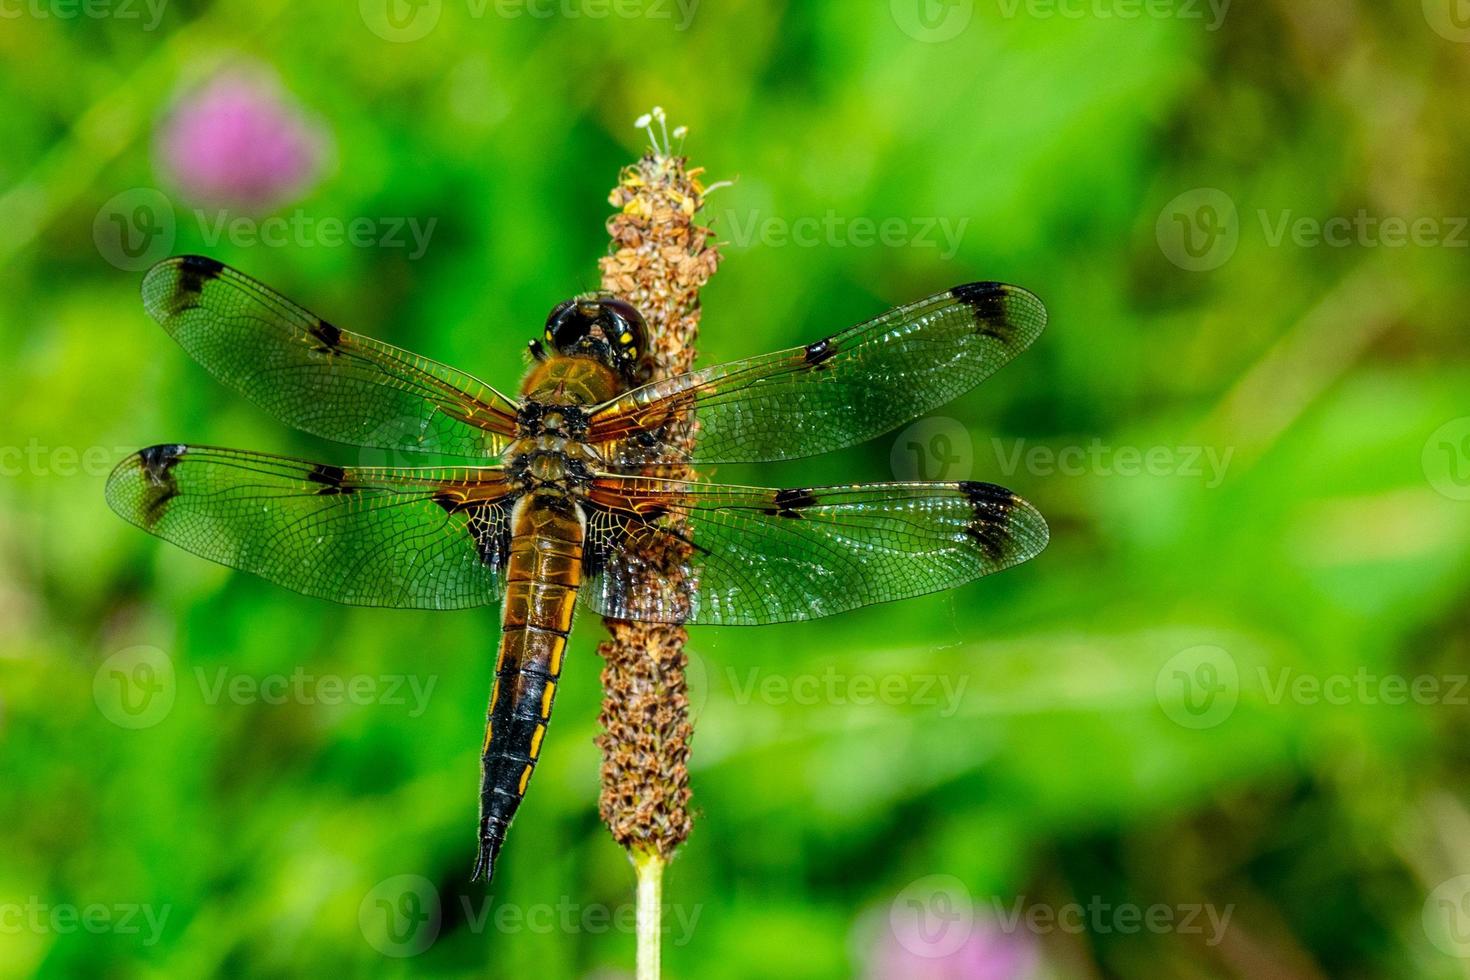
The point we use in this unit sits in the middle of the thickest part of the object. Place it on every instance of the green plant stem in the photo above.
(649, 867)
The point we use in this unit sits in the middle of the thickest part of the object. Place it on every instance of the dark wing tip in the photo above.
(173, 285)
(1011, 315)
(1008, 529)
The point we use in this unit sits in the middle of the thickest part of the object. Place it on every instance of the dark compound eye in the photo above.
(626, 328)
(569, 324)
(619, 322)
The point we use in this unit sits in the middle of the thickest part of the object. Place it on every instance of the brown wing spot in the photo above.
(158, 463)
(788, 502)
(332, 478)
(990, 525)
(329, 336)
(987, 301)
(820, 352)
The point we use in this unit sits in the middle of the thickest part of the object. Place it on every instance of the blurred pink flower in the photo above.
(968, 947)
(240, 140)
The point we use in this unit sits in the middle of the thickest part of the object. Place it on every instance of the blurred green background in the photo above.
(1217, 729)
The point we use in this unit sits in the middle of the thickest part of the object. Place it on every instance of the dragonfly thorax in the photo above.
(548, 452)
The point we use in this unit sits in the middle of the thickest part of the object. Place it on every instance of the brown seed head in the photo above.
(660, 259)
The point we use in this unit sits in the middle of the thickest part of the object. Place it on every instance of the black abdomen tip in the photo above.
(492, 835)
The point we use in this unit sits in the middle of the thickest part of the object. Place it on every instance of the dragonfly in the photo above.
(567, 496)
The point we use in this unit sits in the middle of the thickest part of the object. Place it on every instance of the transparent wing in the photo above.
(836, 392)
(752, 555)
(319, 378)
(411, 538)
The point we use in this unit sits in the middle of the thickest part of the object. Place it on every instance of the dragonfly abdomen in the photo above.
(542, 575)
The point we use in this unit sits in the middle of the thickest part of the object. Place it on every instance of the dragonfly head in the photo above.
(604, 328)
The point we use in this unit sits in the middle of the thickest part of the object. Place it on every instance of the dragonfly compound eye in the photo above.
(569, 325)
(624, 326)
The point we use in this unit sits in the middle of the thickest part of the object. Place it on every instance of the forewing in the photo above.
(833, 393)
(317, 377)
(754, 555)
(411, 538)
